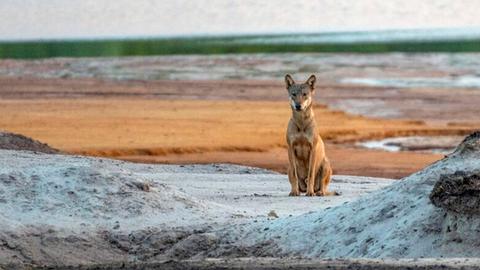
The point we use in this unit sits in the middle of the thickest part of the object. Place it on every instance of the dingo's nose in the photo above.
(298, 107)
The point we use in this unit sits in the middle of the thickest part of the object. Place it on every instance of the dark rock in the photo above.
(143, 186)
(458, 192)
(11, 141)
(469, 145)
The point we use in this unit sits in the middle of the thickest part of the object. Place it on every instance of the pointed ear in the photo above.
(311, 81)
(289, 80)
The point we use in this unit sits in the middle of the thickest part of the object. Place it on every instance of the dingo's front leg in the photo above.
(312, 171)
(292, 174)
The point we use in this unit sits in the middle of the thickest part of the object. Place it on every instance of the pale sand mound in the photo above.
(398, 221)
(12, 141)
(79, 193)
(58, 210)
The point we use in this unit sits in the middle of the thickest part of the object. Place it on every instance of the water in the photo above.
(431, 144)
(419, 35)
(148, 27)
(465, 82)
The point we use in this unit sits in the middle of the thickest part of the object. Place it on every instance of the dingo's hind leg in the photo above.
(323, 180)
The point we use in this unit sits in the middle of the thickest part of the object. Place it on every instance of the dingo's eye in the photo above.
(294, 95)
(304, 95)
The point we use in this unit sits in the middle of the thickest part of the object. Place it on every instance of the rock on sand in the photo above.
(12, 141)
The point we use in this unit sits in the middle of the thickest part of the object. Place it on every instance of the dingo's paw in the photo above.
(294, 193)
(310, 193)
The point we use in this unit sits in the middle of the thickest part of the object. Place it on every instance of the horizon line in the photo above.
(473, 29)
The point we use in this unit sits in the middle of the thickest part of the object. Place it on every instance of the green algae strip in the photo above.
(216, 45)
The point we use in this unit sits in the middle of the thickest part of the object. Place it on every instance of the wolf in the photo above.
(309, 169)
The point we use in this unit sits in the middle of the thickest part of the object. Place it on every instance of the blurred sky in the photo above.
(59, 19)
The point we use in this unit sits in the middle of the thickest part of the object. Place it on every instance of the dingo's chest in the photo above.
(301, 147)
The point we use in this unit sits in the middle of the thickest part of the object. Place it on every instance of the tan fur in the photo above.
(309, 169)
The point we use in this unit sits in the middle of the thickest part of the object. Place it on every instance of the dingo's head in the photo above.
(300, 94)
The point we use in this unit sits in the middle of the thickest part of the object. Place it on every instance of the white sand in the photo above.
(398, 221)
(81, 193)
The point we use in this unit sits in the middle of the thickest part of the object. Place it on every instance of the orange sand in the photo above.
(172, 131)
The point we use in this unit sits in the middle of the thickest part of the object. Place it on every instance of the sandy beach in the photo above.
(116, 108)
(114, 111)
(185, 131)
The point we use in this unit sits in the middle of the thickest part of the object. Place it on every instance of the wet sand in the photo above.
(430, 87)
(138, 109)
(122, 120)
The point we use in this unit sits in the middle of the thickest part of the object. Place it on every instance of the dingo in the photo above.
(309, 169)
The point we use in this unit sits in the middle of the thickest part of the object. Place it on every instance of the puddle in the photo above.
(468, 82)
(428, 144)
